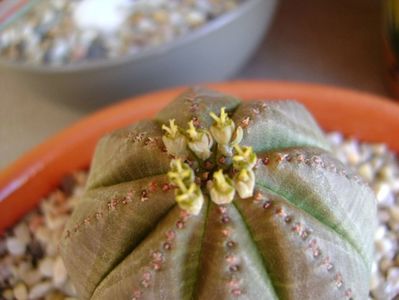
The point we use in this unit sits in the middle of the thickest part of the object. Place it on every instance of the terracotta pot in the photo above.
(25, 182)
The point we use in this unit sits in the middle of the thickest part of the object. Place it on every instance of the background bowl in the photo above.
(363, 116)
(212, 53)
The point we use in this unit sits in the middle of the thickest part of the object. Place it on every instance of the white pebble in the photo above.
(195, 18)
(377, 163)
(394, 213)
(387, 172)
(379, 149)
(385, 264)
(384, 193)
(380, 232)
(43, 234)
(69, 289)
(20, 291)
(15, 246)
(336, 138)
(375, 281)
(40, 290)
(8, 294)
(384, 246)
(365, 170)
(59, 272)
(395, 185)
(146, 25)
(383, 215)
(31, 277)
(46, 267)
(176, 18)
(393, 276)
(351, 149)
(55, 222)
(21, 232)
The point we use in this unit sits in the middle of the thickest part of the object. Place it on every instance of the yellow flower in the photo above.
(188, 194)
(244, 158)
(245, 183)
(200, 141)
(190, 199)
(175, 142)
(221, 188)
(225, 133)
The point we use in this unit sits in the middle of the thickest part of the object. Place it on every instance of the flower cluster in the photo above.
(188, 193)
(221, 140)
(244, 161)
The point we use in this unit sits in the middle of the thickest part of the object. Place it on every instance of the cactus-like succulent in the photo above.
(218, 199)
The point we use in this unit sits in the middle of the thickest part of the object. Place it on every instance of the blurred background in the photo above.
(60, 60)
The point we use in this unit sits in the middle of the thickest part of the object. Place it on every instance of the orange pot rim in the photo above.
(356, 114)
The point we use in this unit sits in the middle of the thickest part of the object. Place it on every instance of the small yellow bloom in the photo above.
(190, 199)
(221, 188)
(223, 128)
(175, 142)
(245, 183)
(244, 158)
(188, 194)
(180, 170)
(200, 141)
(225, 133)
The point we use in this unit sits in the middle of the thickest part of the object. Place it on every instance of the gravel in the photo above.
(30, 264)
(56, 32)
(379, 167)
(31, 267)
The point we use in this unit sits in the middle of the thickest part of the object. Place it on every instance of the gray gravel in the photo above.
(380, 168)
(56, 32)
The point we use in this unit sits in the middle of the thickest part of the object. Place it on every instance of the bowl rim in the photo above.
(22, 184)
(146, 53)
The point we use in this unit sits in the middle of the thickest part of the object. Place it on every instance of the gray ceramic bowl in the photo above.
(212, 53)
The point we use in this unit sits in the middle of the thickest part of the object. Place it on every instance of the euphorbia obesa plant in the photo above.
(221, 199)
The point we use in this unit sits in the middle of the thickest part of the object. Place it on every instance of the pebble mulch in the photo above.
(30, 264)
(31, 268)
(379, 167)
(56, 32)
